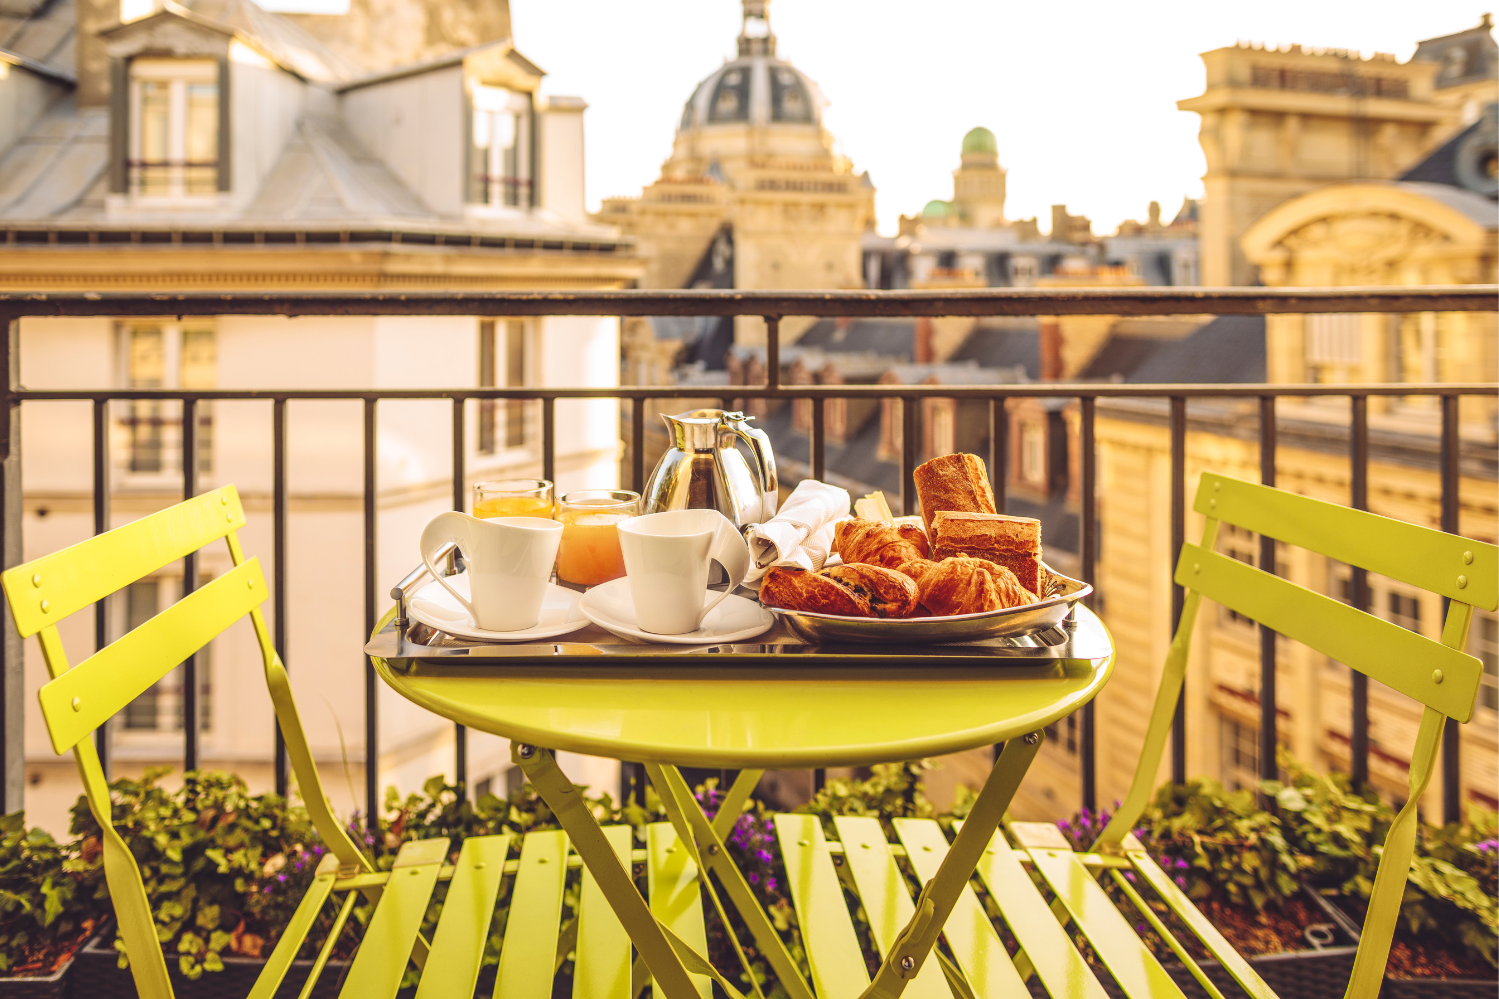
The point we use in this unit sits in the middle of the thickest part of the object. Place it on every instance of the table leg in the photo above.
(706, 839)
(940, 894)
(660, 954)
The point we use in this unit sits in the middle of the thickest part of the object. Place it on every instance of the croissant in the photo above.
(874, 542)
(798, 589)
(889, 593)
(963, 585)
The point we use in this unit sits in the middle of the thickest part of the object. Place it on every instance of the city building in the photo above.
(216, 146)
(1279, 122)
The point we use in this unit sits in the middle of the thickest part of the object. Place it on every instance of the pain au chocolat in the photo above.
(953, 482)
(847, 590)
(1012, 542)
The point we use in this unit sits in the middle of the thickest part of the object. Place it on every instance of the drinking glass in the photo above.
(590, 536)
(514, 498)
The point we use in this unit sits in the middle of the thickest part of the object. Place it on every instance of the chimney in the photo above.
(92, 69)
(1051, 349)
(922, 350)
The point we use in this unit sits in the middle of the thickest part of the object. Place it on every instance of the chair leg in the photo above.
(588, 838)
(939, 895)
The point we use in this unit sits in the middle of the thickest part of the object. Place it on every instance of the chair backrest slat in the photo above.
(463, 929)
(886, 898)
(528, 958)
(838, 969)
(391, 935)
(89, 694)
(1428, 671)
(1448, 564)
(676, 895)
(48, 589)
(602, 969)
(975, 944)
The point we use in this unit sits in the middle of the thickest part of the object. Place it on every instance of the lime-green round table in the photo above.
(775, 703)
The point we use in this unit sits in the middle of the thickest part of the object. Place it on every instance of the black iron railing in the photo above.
(771, 306)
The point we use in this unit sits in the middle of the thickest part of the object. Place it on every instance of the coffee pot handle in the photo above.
(765, 461)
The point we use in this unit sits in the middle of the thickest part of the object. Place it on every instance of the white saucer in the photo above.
(434, 606)
(610, 606)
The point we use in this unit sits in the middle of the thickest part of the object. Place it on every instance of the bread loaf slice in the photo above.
(1012, 542)
(953, 482)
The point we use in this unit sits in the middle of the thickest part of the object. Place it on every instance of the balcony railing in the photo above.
(771, 306)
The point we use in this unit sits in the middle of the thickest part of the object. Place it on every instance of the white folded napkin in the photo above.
(800, 533)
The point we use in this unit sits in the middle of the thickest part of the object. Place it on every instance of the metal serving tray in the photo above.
(1009, 622)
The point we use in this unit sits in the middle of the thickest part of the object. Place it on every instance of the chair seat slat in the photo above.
(602, 968)
(676, 896)
(89, 694)
(292, 938)
(838, 969)
(528, 955)
(388, 940)
(979, 952)
(1122, 951)
(452, 967)
(1446, 679)
(885, 896)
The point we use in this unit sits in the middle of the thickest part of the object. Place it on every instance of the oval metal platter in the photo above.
(1009, 622)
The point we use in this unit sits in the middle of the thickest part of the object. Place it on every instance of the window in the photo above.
(159, 355)
(159, 709)
(1033, 453)
(1403, 609)
(1333, 341)
(502, 361)
(1239, 754)
(174, 128)
(501, 160)
(1483, 642)
(1063, 735)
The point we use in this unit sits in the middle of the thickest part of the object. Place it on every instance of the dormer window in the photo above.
(501, 158)
(174, 128)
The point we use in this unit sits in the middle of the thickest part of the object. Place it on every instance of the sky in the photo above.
(1081, 95)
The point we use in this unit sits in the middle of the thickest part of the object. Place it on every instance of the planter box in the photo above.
(97, 975)
(53, 986)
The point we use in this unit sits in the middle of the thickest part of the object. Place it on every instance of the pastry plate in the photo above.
(1009, 622)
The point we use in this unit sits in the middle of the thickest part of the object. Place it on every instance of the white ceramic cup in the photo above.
(508, 561)
(666, 561)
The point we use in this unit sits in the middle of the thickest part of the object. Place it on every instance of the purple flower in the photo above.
(1487, 846)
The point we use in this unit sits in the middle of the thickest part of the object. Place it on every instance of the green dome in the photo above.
(936, 210)
(980, 140)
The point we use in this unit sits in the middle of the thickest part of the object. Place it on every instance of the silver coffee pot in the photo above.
(704, 470)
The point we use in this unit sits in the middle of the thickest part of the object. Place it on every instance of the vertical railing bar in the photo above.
(1451, 507)
(637, 445)
(772, 352)
(1268, 733)
(999, 452)
(279, 513)
(908, 405)
(101, 524)
(460, 495)
(1088, 559)
(549, 438)
(1358, 725)
(818, 454)
(371, 682)
(1178, 595)
(190, 707)
(13, 678)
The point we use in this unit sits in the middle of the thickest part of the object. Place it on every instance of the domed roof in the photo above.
(936, 210)
(756, 88)
(980, 140)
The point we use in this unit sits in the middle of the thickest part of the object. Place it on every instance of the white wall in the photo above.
(583, 350)
(415, 125)
(560, 156)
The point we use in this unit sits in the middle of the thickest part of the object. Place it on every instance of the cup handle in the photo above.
(447, 527)
(730, 551)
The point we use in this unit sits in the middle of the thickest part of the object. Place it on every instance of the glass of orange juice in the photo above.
(590, 553)
(514, 498)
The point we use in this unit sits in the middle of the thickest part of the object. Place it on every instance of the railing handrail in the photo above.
(851, 304)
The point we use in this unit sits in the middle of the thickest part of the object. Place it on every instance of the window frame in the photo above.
(179, 75)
